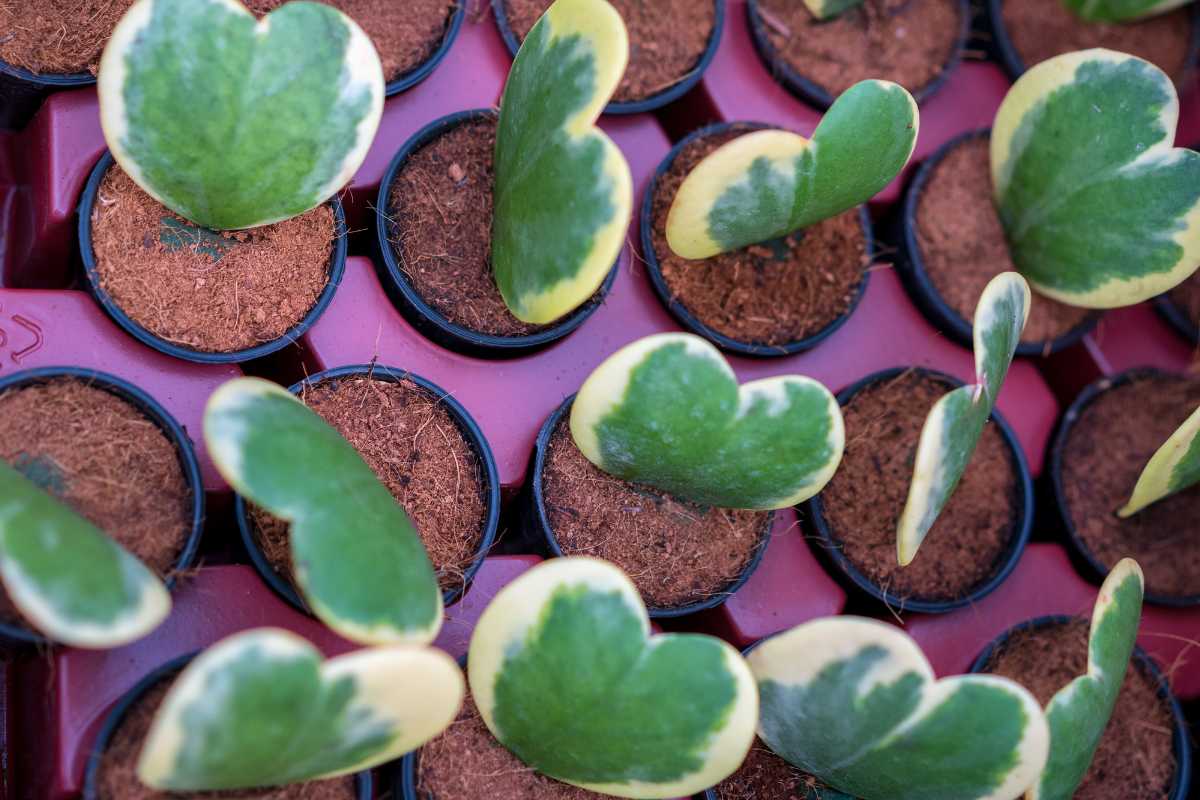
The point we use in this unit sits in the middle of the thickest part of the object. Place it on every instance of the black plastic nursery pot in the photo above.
(14, 636)
(685, 316)
(412, 77)
(657, 99)
(828, 546)
(22, 92)
(423, 316)
(920, 286)
(1141, 661)
(1083, 556)
(1004, 51)
(337, 266)
(472, 435)
(540, 532)
(363, 781)
(807, 90)
(1177, 318)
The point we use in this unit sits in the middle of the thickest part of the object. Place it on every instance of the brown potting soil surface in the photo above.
(771, 293)
(1039, 30)
(68, 36)
(677, 553)
(106, 460)
(118, 769)
(766, 776)
(413, 445)
(1106, 451)
(442, 229)
(906, 41)
(1187, 297)
(1135, 759)
(963, 246)
(203, 290)
(467, 763)
(862, 503)
(667, 38)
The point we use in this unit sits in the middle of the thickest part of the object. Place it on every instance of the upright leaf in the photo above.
(1174, 467)
(1121, 10)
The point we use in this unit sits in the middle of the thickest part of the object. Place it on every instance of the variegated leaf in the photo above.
(1174, 467)
(854, 702)
(563, 190)
(768, 184)
(828, 9)
(955, 424)
(1121, 10)
(66, 577)
(232, 122)
(1079, 712)
(566, 675)
(358, 560)
(667, 411)
(1099, 209)
(262, 708)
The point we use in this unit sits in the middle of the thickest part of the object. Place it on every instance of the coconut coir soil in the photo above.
(1106, 450)
(862, 503)
(1039, 30)
(1135, 759)
(772, 293)
(206, 291)
(906, 41)
(68, 36)
(118, 769)
(413, 445)
(962, 241)
(667, 39)
(441, 229)
(677, 553)
(106, 460)
(766, 776)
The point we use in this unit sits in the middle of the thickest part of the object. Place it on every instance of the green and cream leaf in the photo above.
(771, 183)
(233, 122)
(1174, 467)
(566, 675)
(66, 577)
(1099, 209)
(828, 9)
(854, 702)
(667, 411)
(1079, 712)
(955, 424)
(357, 557)
(563, 190)
(1121, 10)
(262, 708)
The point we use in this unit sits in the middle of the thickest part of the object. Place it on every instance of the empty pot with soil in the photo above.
(671, 43)
(916, 43)
(424, 447)
(111, 454)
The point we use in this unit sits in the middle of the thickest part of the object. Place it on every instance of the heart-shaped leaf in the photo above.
(563, 191)
(828, 9)
(231, 122)
(566, 675)
(955, 424)
(854, 702)
(357, 557)
(261, 708)
(1079, 712)
(771, 183)
(1121, 10)
(66, 577)
(1099, 209)
(667, 411)
(1174, 467)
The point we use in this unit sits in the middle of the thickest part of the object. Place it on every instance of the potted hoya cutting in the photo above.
(215, 236)
(630, 714)
(417, 440)
(103, 504)
(819, 48)
(665, 466)
(499, 232)
(1123, 465)
(671, 44)
(1077, 186)
(921, 462)
(751, 235)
